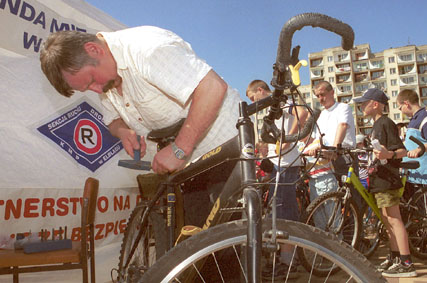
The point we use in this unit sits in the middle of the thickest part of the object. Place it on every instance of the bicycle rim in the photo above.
(417, 224)
(371, 231)
(329, 213)
(215, 255)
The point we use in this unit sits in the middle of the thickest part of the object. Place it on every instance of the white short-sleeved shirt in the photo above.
(290, 158)
(329, 120)
(160, 71)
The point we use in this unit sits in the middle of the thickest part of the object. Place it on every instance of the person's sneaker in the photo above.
(399, 269)
(385, 264)
(280, 271)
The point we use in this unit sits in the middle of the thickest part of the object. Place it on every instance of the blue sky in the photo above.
(239, 38)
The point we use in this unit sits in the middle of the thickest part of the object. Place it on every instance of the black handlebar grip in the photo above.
(306, 130)
(315, 20)
(420, 145)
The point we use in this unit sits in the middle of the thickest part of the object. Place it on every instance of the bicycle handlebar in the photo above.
(284, 56)
(420, 145)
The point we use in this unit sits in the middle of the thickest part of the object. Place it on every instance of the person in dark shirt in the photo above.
(385, 183)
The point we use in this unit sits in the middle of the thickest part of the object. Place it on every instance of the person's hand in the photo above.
(130, 142)
(166, 162)
(382, 154)
(414, 153)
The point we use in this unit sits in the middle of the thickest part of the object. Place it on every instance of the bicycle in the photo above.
(249, 239)
(337, 212)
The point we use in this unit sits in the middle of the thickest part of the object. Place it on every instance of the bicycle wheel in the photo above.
(151, 246)
(333, 213)
(417, 224)
(372, 230)
(224, 245)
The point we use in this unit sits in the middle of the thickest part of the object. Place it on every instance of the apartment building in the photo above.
(353, 72)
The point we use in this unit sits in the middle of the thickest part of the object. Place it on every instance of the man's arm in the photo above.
(340, 134)
(119, 129)
(301, 115)
(206, 102)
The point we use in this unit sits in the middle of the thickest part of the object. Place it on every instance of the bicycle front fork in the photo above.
(254, 241)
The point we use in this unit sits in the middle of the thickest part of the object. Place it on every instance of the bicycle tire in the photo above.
(350, 226)
(151, 246)
(231, 236)
(417, 224)
(372, 228)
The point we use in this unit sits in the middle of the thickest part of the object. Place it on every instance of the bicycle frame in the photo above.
(242, 149)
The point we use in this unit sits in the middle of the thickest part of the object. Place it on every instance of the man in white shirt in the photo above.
(147, 78)
(336, 123)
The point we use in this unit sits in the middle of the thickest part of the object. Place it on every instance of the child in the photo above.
(386, 182)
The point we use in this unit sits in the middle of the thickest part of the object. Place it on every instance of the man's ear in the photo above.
(93, 49)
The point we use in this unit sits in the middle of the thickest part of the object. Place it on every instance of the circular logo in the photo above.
(248, 151)
(88, 137)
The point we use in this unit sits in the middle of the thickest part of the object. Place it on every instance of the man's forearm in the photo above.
(340, 134)
(116, 126)
(206, 102)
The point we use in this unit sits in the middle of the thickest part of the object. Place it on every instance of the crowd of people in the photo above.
(148, 78)
(336, 127)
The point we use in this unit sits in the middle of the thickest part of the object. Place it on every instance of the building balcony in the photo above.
(343, 68)
(421, 57)
(316, 73)
(316, 62)
(363, 77)
(361, 55)
(344, 79)
(342, 57)
(343, 90)
(376, 65)
(408, 81)
(405, 58)
(409, 69)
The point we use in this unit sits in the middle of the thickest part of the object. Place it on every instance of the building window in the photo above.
(393, 82)
(330, 69)
(423, 69)
(391, 59)
(422, 57)
(331, 80)
(330, 58)
(408, 80)
(394, 93)
(392, 70)
(407, 57)
(397, 116)
(394, 105)
(316, 62)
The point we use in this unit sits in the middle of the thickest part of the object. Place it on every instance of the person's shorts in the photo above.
(387, 198)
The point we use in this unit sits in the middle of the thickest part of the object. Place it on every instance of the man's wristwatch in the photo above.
(179, 153)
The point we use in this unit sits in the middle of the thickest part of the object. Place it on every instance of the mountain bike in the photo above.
(240, 247)
(336, 212)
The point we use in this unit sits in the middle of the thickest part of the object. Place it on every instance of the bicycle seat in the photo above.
(409, 165)
(158, 135)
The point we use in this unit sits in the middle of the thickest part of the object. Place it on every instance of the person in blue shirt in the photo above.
(409, 104)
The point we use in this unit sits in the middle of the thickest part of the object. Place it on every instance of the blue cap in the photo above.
(373, 94)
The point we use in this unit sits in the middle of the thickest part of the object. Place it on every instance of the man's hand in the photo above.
(119, 129)
(414, 153)
(130, 143)
(383, 153)
(166, 162)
